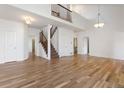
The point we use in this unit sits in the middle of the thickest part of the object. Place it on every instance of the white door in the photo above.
(10, 46)
(2, 38)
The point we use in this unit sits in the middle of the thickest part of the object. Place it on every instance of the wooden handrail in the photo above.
(44, 43)
(55, 12)
(64, 7)
(53, 32)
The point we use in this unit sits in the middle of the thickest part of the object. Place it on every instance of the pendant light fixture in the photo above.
(99, 24)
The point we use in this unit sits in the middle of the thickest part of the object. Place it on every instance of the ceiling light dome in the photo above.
(28, 19)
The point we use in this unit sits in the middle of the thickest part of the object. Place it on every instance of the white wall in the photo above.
(21, 37)
(2, 46)
(105, 42)
(65, 42)
(26, 38)
(41, 9)
(80, 21)
(45, 31)
(118, 45)
(48, 41)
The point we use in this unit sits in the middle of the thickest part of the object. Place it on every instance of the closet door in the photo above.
(10, 46)
(2, 38)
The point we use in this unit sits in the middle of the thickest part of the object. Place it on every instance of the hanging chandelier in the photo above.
(99, 24)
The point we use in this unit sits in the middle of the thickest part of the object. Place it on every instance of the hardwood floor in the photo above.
(68, 72)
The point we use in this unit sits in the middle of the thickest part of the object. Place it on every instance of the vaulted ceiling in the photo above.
(90, 11)
(112, 15)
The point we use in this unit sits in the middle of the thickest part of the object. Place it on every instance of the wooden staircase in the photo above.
(54, 54)
(52, 31)
(43, 41)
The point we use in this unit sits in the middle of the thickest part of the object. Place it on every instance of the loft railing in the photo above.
(61, 11)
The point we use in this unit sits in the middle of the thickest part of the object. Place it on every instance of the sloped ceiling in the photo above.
(113, 15)
(110, 14)
(10, 12)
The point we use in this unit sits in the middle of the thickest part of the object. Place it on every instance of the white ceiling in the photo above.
(90, 11)
(111, 15)
(12, 13)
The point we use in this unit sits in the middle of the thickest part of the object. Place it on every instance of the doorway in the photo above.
(86, 46)
(33, 47)
(75, 46)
